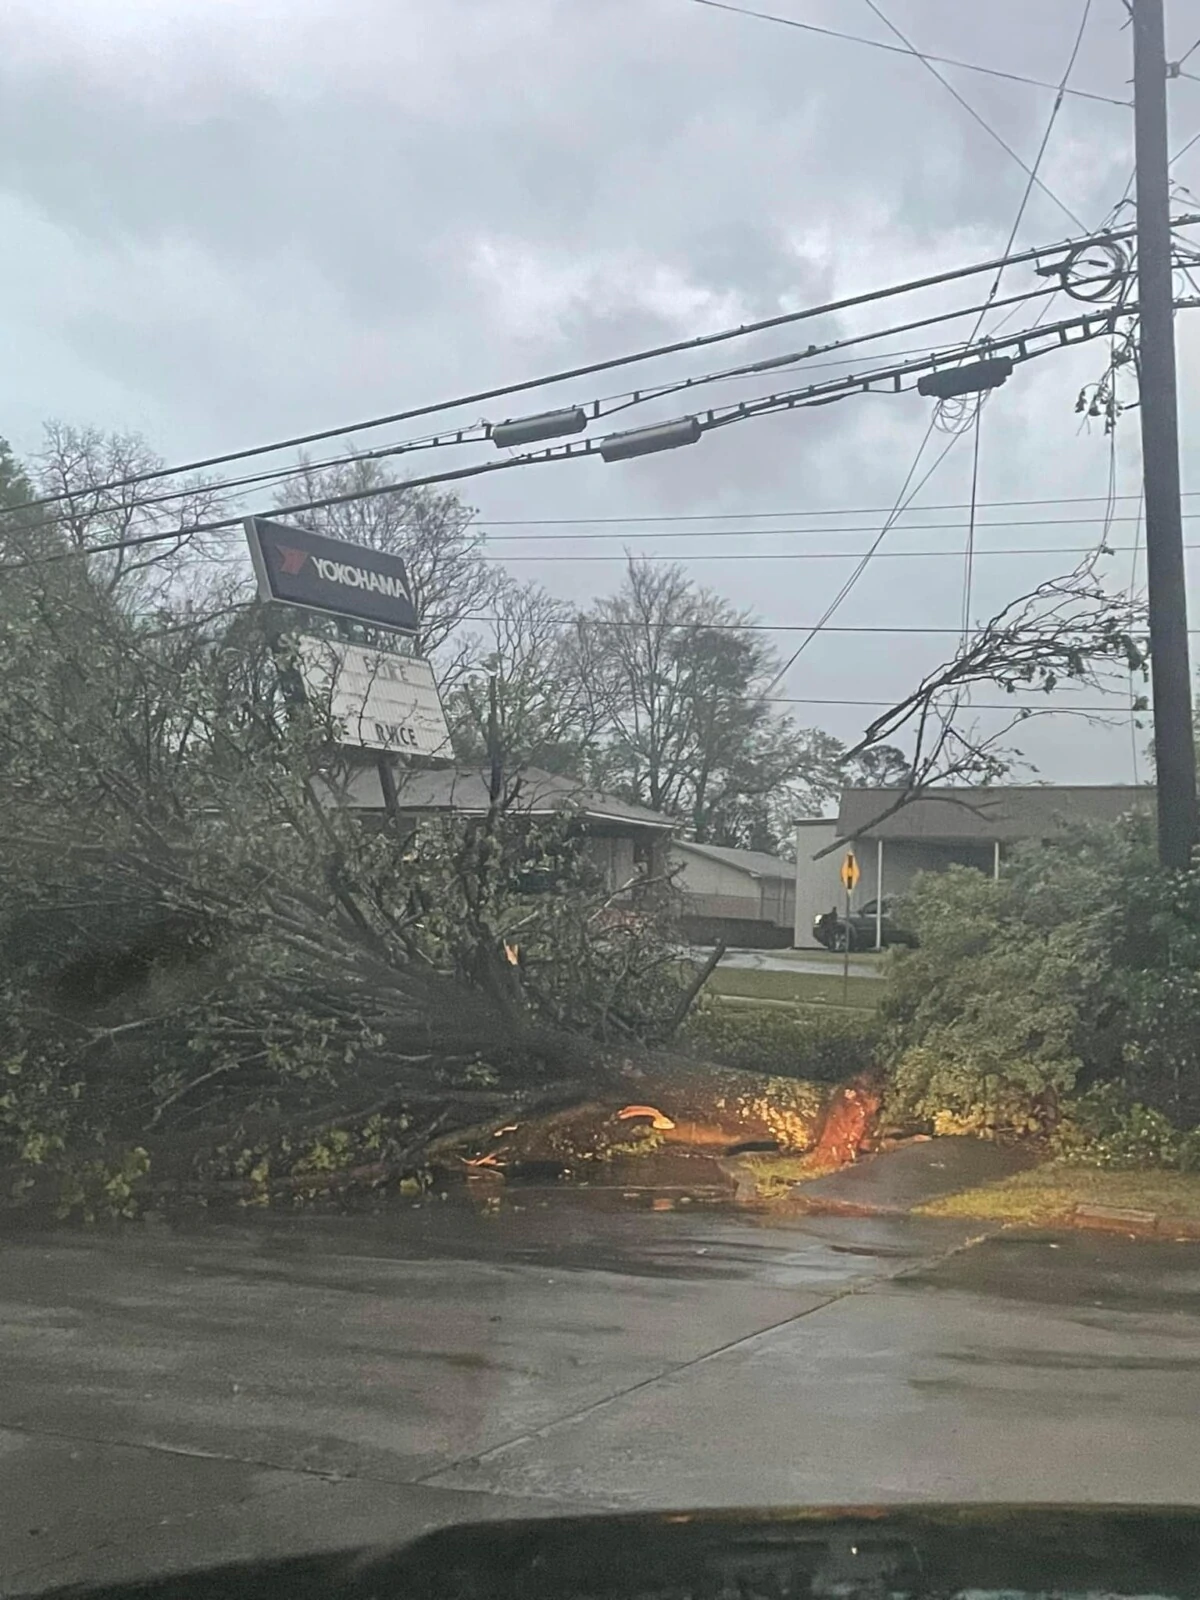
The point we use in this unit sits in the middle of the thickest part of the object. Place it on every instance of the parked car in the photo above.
(832, 929)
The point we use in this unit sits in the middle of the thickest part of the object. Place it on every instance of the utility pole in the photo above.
(1174, 749)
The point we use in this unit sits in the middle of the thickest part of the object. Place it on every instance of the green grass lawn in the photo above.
(1051, 1192)
(797, 988)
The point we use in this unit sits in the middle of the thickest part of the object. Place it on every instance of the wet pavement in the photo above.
(300, 1383)
(897, 1180)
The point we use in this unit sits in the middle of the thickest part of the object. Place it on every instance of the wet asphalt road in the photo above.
(168, 1400)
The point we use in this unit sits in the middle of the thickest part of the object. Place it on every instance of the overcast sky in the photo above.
(230, 220)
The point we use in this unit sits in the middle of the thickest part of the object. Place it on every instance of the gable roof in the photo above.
(465, 791)
(983, 815)
(755, 863)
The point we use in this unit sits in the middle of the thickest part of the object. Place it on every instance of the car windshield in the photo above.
(582, 928)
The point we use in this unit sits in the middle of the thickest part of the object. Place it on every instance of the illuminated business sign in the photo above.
(299, 568)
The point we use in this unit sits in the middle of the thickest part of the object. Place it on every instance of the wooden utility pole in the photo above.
(1174, 749)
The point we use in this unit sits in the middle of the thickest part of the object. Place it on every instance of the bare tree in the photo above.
(451, 583)
(78, 466)
(547, 714)
(678, 676)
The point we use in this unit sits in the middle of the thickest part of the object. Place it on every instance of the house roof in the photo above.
(755, 863)
(983, 815)
(466, 791)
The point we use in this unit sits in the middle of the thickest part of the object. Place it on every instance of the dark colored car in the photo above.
(862, 931)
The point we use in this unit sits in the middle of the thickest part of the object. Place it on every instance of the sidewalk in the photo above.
(964, 1178)
(896, 1182)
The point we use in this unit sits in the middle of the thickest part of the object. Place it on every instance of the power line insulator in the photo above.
(645, 441)
(542, 425)
(949, 382)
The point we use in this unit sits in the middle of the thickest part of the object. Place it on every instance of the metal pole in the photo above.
(1174, 751)
(996, 860)
(846, 952)
(879, 893)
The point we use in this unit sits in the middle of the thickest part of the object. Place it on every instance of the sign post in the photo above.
(850, 875)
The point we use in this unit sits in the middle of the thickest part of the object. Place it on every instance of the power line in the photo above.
(918, 631)
(981, 400)
(1020, 705)
(1037, 163)
(898, 50)
(971, 111)
(805, 533)
(901, 504)
(969, 554)
(1085, 327)
(824, 511)
(605, 405)
(741, 556)
(810, 532)
(844, 591)
(219, 524)
(898, 510)
(701, 341)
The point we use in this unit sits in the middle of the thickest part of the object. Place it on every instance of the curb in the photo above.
(842, 1208)
(1089, 1218)
(1144, 1224)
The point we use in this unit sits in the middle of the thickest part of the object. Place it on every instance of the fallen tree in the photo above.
(206, 961)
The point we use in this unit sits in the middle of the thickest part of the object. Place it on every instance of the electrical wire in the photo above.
(971, 111)
(897, 510)
(1050, 710)
(901, 504)
(969, 553)
(676, 347)
(826, 511)
(1086, 327)
(897, 50)
(1188, 54)
(470, 435)
(978, 553)
(741, 534)
(1041, 151)
(602, 406)
(889, 629)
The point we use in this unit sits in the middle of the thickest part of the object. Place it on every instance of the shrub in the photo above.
(1103, 1128)
(826, 1046)
(1078, 968)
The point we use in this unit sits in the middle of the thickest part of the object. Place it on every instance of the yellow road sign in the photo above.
(850, 871)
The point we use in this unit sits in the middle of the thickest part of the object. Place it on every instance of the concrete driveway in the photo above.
(168, 1400)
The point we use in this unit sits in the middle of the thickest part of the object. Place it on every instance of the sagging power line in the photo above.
(1023, 346)
(1067, 249)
